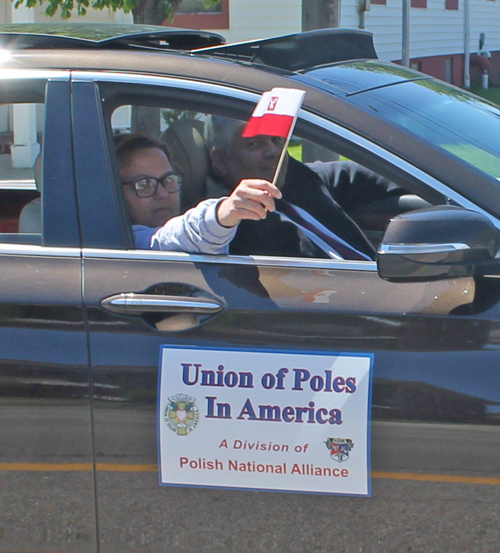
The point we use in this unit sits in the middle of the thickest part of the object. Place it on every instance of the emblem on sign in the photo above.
(339, 448)
(182, 414)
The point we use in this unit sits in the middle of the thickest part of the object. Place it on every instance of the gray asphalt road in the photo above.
(47, 513)
(53, 511)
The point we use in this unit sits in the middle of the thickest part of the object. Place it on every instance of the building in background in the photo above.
(436, 41)
(436, 44)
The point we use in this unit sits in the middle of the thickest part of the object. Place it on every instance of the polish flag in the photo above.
(276, 113)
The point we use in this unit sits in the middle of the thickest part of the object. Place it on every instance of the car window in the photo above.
(21, 126)
(182, 132)
(369, 197)
(319, 176)
(452, 119)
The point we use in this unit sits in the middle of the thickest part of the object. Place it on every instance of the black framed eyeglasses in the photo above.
(147, 186)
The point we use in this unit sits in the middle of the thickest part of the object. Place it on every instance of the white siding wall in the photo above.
(251, 19)
(433, 31)
(5, 12)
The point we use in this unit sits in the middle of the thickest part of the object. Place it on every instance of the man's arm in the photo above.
(352, 185)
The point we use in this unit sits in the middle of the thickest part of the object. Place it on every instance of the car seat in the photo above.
(189, 155)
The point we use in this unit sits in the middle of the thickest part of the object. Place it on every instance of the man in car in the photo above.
(314, 188)
(152, 190)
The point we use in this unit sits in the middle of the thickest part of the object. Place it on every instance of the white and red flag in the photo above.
(276, 113)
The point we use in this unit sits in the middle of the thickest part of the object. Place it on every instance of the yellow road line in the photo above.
(47, 467)
(126, 468)
(122, 467)
(436, 478)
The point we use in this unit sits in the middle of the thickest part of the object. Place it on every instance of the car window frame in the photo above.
(238, 103)
(60, 233)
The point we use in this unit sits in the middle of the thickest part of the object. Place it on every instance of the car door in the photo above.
(435, 385)
(47, 500)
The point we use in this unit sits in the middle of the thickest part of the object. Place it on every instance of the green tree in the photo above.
(152, 12)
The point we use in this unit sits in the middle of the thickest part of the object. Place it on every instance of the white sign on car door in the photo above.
(269, 420)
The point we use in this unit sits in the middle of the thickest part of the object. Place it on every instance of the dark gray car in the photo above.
(85, 315)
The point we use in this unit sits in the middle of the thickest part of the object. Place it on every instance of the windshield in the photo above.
(454, 120)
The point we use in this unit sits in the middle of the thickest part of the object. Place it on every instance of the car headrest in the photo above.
(189, 155)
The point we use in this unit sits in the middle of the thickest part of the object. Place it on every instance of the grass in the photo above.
(295, 150)
(492, 94)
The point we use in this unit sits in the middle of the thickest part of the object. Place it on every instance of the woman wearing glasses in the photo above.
(152, 196)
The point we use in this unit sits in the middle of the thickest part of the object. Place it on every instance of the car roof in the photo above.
(328, 86)
(254, 66)
(104, 35)
(179, 52)
(293, 52)
(300, 51)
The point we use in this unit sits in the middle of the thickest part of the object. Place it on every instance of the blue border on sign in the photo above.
(371, 356)
(369, 427)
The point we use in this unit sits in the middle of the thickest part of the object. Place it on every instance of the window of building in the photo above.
(419, 3)
(193, 14)
(451, 5)
(198, 6)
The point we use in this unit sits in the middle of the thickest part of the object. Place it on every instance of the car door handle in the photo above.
(137, 304)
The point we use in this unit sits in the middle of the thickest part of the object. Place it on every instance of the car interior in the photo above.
(20, 168)
(184, 137)
(182, 131)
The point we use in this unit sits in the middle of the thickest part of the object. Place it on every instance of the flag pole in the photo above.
(283, 153)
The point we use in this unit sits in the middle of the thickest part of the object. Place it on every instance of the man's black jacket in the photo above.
(312, 190)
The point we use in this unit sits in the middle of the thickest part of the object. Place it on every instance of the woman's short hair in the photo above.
(127, 144)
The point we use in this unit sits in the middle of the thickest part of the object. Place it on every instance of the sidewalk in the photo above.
(13, 178)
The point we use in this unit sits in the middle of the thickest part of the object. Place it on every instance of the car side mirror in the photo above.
(435, 244)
